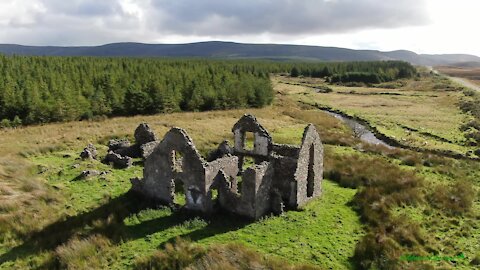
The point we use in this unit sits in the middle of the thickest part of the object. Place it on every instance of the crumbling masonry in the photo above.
(282, 176)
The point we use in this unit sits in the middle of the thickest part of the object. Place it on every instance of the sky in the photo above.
(422, 26)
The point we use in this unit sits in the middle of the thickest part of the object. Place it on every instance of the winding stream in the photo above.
(359, 130)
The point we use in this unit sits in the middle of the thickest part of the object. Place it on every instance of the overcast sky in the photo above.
(423, 26)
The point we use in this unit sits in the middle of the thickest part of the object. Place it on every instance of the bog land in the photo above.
(419, 198)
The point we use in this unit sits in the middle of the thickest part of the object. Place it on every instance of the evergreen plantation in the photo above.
(51, 89)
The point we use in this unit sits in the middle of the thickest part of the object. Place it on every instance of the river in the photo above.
(359, 130)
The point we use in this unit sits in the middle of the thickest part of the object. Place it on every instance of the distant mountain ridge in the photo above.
(220, 49)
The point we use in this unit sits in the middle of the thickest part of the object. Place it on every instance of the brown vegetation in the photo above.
(454, 199)
(470, 73)
(89, 253)
(184, 254)
(383, 185)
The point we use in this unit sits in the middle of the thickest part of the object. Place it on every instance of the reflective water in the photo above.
(360, 131)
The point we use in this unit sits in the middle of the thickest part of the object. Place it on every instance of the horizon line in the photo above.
(226, 41)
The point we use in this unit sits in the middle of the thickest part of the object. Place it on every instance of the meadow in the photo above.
(422, 113)
(378, 205)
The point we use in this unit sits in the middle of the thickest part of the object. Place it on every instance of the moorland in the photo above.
(381, 206)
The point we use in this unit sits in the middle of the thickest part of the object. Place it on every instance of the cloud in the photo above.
(77, 22)
(219, 17)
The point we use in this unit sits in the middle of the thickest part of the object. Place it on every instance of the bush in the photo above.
(16, 121)
(454, 199)
(5, 123)
(323, 89)
(354, 171)
(377, 251)
(411, 160)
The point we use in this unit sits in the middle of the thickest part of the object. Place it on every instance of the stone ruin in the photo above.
(121, 152)
(282, 176)
(89, 152)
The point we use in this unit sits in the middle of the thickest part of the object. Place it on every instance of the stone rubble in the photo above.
(89, 152)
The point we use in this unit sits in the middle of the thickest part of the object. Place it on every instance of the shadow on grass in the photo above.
(215, 226)
(108, 220)
(62, 230)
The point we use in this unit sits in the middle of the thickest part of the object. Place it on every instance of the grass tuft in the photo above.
(88, 253)
(454, 199)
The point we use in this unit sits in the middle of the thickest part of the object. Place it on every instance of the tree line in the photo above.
(52, 89)
(366, 72)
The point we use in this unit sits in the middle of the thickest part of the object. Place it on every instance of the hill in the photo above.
(219, 49)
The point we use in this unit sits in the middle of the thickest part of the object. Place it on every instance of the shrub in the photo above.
(455, 199)
(405, 232)
(5, 123)
(16, 122)
(323, 89)
(354, 171)
(411, 160)
(377, 251)
(469, 92)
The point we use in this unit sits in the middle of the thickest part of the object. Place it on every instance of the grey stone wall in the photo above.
(309, 166)
(283, 175)
(262, 140)
(160, 170)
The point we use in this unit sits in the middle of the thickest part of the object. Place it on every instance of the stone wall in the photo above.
(283, 175)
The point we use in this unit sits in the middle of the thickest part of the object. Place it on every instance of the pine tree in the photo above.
(294, 72)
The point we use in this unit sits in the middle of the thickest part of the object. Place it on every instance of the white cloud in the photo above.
(419, 25)
(452, 29)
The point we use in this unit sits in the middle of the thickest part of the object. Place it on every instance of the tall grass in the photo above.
(183, 254)
(382, 186)
(455, 199)
(93, 252)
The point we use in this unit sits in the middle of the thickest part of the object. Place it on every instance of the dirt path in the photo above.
(465, 83)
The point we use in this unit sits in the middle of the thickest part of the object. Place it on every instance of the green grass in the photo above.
(94, 217)
(61, 170)
(308, 236)
(416, 114)
(449, 234)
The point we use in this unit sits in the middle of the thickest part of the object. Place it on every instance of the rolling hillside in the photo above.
(219, 49)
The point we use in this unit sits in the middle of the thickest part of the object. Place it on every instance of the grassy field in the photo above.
(419, 113)
(306, 236)
(378, 204)
(51, 152)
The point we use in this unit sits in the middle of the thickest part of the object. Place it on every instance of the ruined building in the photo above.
(282, 176)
